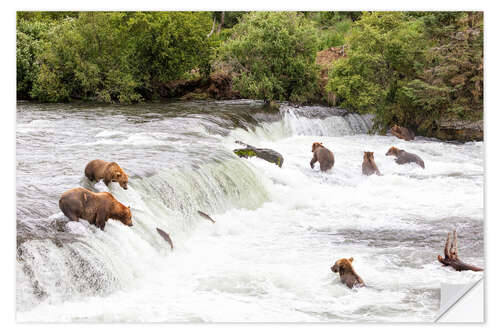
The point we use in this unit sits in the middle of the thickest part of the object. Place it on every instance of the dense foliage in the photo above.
(114, 56)
(411, 68)
(29, 37)
(273, 55)
(450, 85)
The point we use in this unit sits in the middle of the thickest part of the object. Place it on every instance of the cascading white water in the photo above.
(318, 121)
(277, 230)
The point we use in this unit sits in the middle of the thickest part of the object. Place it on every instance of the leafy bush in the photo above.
(29, 44)
(273, 56)
(165, 45)
(451, 84)
(415, 69)
(385, 54)
(84, 58)
(114, 56)
(334, 35)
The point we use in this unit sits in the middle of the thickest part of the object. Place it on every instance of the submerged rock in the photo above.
(269, 155)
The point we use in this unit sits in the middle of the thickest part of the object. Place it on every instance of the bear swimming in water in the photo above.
(96, 208)
(347, 274)
(369, 167)
(109, 171)
(404, 157)
(322, 155)
(403, 133)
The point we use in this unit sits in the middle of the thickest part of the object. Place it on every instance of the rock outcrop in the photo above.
(459, 130)
(218, 85)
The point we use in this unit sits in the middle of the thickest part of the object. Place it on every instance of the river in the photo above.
(277, 232)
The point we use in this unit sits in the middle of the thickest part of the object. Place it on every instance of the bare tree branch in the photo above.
(212, 31)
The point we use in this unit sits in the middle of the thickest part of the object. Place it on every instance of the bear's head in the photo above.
(342, 265)
(122, 178)
(392, 151)
(316, 145)
(126, 216)
(368, 155)
(396, 129)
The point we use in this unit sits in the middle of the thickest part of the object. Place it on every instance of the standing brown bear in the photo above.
(109, 171)
(347, 274)
(369, 167)
(403, 133)
(404, 157)
(322, 155)
(96, 208)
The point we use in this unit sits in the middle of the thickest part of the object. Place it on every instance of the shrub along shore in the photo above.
(422, 70)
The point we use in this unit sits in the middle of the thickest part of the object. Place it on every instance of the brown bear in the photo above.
(109, 171)
(347, 274)
(323, 155)
(403, 133)
(96, 208)
(404, 157)
(369, 167)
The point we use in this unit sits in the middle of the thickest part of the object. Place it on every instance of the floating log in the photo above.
(269, 155)
(166, 237)
(206, 216)
(451, 256)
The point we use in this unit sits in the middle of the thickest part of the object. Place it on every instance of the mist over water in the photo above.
(277, 232)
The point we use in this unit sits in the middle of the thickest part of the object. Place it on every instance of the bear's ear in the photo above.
(351, 259)
(129, 207)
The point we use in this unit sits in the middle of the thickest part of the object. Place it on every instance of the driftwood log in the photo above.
(451, 256)
(266, 154)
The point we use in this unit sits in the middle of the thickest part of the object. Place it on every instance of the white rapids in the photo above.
(277, 232)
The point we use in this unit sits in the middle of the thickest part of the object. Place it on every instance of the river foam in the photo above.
(277, 232)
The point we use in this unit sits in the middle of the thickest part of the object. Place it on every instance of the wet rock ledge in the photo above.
(459, 130)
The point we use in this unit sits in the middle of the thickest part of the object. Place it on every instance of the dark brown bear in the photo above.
(403, 133)
(404, 157)
(369, 167)
(96, 208)
(109, 171)
(347, 274)
(322, 155)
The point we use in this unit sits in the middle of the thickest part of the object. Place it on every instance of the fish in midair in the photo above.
(166, 237)
(206, 216)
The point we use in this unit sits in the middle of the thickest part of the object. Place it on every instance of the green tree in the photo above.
(29, 44)
(165, 45)
(117, 56)
(87, 58)
(386, 52)
(415, 69)
(451, 84)
(273, 56)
